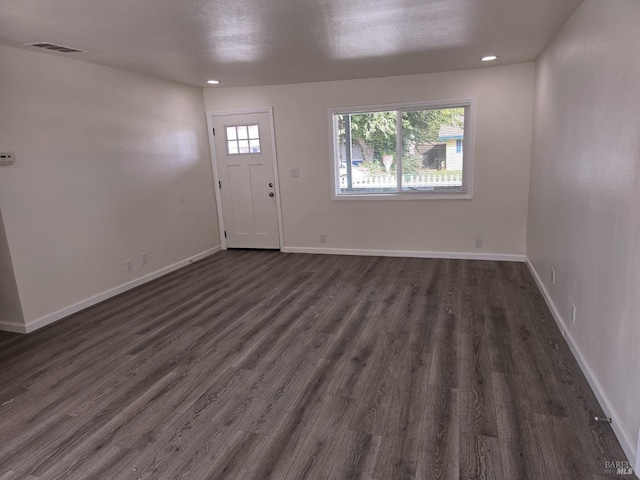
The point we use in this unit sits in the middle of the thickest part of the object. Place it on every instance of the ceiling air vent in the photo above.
(53, 46)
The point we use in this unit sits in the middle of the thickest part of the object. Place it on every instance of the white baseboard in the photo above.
(608, 409)
(76, 307)
(13, 327)
(406, 253)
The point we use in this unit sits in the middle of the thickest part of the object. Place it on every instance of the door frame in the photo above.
(216, 174)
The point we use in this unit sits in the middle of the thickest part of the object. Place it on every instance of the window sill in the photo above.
(404, 196)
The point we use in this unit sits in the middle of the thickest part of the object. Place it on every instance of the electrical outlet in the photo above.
(7, 158)
(144, 258)
(573, 314)
(323, 238)
(128, 265)
(553, 277)
(478, 242)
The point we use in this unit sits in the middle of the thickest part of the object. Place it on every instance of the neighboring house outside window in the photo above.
(452, 136)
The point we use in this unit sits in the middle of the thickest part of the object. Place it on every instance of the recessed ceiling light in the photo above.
(213, 82)
(489, 58)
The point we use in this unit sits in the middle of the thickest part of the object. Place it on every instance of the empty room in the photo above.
(339, 239)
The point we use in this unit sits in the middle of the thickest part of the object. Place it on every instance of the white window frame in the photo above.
(465, 192)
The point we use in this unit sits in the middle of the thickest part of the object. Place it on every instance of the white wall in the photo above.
(497, 214)
(108, 164)
(10, 309)
(584, 213)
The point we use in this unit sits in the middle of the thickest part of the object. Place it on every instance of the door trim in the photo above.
(216, 175)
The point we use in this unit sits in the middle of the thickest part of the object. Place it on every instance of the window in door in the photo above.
(243, 139)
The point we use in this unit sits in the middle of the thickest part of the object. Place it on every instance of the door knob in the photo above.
(271, 194)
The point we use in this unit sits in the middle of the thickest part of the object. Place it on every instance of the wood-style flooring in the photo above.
(264, 365)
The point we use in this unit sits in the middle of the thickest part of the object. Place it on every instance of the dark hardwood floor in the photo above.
(264, 365)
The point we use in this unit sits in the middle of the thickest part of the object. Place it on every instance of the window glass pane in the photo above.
(253, 131)
(366, 151)
(432, 156)
(243, 139)
(243, 146)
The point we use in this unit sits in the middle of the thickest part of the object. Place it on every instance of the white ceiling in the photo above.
(264, 42)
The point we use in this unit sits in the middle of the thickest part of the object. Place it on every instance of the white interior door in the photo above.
(244, 157)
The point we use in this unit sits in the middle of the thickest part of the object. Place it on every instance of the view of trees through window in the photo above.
(400, 150)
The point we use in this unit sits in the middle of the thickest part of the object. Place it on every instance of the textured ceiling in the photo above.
(263, 42)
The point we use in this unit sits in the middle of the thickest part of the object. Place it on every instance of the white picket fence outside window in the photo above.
(390, 181)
